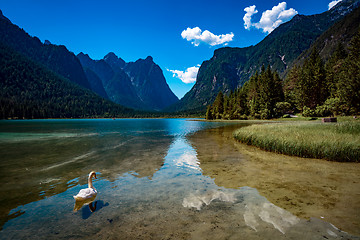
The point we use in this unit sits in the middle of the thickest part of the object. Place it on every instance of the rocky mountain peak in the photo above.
(114, 60)
(84, 58)
(149, 59)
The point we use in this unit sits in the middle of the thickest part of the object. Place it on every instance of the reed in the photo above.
(331, 141)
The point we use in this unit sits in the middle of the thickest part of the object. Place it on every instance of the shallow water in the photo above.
(150, 181)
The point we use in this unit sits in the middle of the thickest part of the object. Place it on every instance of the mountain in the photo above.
(115, 81)
(114, 61)
(55, 58)
(150, 84)
(339, 33)
(47, 81)
(230, 68)
(30, 90)
(95, 82)
(139, 85)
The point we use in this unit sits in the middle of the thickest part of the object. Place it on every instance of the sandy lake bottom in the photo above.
(308, 188)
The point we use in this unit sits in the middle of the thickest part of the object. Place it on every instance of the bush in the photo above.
(226, 117)
(282, 108)
(323, 111)
(331, 107)
(307, 112)
(265, 113)
(257, 116)
(243, 117)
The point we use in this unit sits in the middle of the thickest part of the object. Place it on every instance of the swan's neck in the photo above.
(90, 184)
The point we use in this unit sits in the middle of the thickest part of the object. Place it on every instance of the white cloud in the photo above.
(195, 35)
(247, 17)
(189, 76)
(270, 19)
(333, 3)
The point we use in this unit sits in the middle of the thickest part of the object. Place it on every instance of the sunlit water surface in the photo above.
(150, 185)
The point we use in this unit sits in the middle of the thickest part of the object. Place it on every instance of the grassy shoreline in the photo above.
(332, 141)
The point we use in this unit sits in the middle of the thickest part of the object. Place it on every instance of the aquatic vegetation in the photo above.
(335, 142)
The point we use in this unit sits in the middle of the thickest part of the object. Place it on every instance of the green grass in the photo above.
(331, 141)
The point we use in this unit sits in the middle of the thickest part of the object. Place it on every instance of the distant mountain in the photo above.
(150, 84)
(30, 90)
(139, 85)
(55, 58)
(230, 68)
(115, 81)
(47, 81)
(114, 61)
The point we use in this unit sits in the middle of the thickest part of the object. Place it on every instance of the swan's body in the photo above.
(89, 192)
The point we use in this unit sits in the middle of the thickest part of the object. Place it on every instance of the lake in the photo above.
(156, 179)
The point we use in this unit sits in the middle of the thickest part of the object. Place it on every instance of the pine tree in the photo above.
(290, 86)
(311, 85)
(349, 78)
(218, 106)
(333, 67)
(253, 95)
(209, 115)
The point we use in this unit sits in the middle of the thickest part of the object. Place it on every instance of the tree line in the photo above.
(314, 89)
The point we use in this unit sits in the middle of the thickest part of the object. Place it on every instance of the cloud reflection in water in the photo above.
(188, 159)
(198, 200)
(268, 212)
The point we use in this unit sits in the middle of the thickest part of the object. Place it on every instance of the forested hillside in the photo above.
(29, 90)
(313, 89)
(56, 58)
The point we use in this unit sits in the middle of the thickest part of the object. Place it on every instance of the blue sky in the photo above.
(179, 35)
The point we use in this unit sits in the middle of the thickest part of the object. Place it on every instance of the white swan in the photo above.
(89, 192)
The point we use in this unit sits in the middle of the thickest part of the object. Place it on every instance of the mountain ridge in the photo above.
(105, 77)
(115, 82)
(55, 57)
(342, 31)
(140, 84)
(230, 68)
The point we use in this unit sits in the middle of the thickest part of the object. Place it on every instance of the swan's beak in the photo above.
(95, 176)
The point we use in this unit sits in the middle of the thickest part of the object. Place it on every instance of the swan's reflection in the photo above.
(80, 203)
(92, 206)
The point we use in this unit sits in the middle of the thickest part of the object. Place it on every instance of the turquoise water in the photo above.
(150, 185)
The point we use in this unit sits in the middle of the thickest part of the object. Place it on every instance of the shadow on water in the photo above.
(92, 207)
